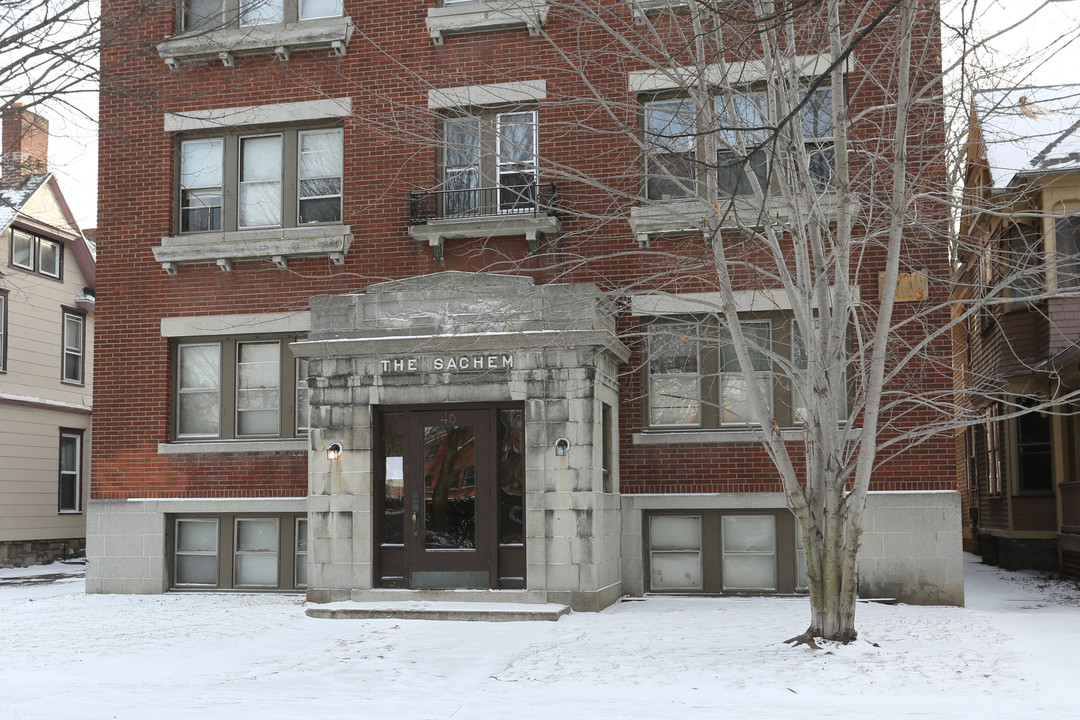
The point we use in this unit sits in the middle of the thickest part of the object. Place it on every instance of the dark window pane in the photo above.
(670, 176)
(449, 513)
(517, 191)
(320, 210)
(1068, 252)
(734, 172)
(511, 476)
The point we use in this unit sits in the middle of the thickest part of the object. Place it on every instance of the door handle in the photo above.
(415, 514)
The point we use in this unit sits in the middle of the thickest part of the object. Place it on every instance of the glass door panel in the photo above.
(449, 504)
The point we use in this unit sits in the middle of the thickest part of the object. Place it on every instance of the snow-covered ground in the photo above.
(1012, 652)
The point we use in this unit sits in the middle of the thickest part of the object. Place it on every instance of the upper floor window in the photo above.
(1025, 261)
(73, 361)
(37, 254)
(740, 127)
(670, 154)
(281, 179)
(3, 329)
(695, 380)
(489, 163)
(1067, 236)
(212, 14)
(239, 388)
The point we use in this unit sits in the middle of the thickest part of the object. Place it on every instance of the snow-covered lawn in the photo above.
(1012, 652)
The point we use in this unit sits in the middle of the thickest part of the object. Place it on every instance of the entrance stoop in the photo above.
(494, 612)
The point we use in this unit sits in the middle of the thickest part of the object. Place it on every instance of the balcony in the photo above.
(527, 209)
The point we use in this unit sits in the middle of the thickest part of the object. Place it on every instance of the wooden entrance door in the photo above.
(444, 485)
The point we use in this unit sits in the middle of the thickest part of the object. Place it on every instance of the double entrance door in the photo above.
(449, 496)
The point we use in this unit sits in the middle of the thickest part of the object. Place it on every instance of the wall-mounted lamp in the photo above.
(562, 446)
(333, 452)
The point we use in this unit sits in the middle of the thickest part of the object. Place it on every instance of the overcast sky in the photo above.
(1048, 41)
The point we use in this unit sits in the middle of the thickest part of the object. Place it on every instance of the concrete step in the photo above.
(477, 612)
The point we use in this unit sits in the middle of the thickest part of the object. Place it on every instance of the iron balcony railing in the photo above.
(528, 199)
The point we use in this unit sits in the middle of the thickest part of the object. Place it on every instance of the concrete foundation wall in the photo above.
(912, 548)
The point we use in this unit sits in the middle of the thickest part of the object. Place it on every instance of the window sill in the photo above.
(660, 217)
(480, 15)
(225, 43)
(233, 446)
(278, 244)
(685, 437)
(639, 8)
(533, 227)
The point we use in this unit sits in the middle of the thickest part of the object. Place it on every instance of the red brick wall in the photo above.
(25, 146)
(390, 65)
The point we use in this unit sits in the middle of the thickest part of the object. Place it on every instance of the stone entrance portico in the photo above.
(462, 338)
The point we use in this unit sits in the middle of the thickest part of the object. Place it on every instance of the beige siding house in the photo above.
(46, 355)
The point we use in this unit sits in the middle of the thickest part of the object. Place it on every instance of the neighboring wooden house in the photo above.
(1019, 346)
(46, 355)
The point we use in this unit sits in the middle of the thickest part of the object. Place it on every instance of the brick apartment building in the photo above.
(379, 284)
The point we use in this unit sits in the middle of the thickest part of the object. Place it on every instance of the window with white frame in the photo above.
(674, 354)
(259, 202)
(204, 15)
(36, 254)
(201, 184)
(1067, 239)
(489, 164)
(801, 391)
(735, 402)
(74, 345)
(741, 130)
(1025, 262)
(817, 130)
(70, 488)
(669, 149)
(741, 127)
(282, 179)
(238, 388)
(3, 329)
(694, 378)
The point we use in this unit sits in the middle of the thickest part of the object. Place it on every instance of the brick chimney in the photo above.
(25, 143)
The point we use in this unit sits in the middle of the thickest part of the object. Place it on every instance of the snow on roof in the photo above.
(12, 199)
